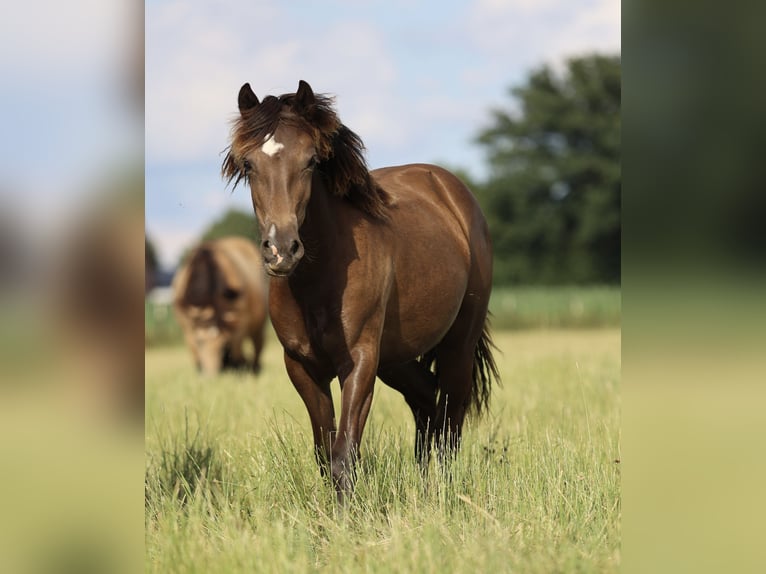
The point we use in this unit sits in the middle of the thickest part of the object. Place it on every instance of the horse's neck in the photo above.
(319, 229)
(319, 233)
(328, 237)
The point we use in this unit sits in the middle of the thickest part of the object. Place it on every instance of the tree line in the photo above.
(552, 197)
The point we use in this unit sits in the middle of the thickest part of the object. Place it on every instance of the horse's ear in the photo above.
(247, 99)
(304, 97)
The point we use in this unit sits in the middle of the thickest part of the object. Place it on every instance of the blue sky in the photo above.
(67, 113)
(415, 80)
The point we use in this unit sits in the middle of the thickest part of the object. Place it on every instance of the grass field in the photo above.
(232, 486)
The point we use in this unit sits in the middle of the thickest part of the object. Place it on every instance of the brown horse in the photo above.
(220, 301)
(383, 273)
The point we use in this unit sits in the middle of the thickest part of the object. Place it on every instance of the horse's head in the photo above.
(276, 145)
(279, 169)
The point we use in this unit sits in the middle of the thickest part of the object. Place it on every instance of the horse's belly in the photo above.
(416, 322)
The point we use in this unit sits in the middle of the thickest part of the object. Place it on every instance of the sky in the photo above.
(69, 112)
(415, 80)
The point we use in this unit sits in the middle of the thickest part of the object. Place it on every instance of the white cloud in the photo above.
(520, 34)
(171, 242)
(597, 29)
(514, 6)
(191, 55)
(198, 58)
(43, 37)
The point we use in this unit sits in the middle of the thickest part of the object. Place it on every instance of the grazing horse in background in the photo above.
(383, 273)
(219, 298)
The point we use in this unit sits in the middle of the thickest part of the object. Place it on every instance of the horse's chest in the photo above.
(323, 330)
(316, 340)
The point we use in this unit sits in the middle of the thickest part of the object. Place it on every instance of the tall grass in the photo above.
(232, 485)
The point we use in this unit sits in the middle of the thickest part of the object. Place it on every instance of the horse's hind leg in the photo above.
(455, 381)
(418, 385)
(455, 356)
(233, 357)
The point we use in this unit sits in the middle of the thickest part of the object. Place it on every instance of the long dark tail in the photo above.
(485, 372)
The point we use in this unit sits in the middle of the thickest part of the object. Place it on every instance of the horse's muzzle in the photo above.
(280, 257)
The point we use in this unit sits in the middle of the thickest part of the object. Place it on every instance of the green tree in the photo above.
(233, 222)
(151, 264)
(150, 255)
(552, 198)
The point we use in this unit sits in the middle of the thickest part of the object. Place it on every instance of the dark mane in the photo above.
(200, 285)
(340, 151)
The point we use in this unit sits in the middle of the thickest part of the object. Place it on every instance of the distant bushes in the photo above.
(160, 325)
(555, 307)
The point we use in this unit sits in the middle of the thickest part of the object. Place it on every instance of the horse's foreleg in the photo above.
(257, 338)
(318, 400)
(356, 397)
(237, 353)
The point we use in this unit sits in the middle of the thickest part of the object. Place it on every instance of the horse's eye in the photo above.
(246, 166)
(312, 162)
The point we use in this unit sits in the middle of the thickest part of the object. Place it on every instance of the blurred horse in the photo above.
(220, 301)
(383, 273)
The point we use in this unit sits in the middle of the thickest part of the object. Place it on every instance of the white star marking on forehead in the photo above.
(271, 146)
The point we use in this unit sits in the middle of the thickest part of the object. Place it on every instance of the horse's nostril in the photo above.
(266, 244)
(295, 247)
